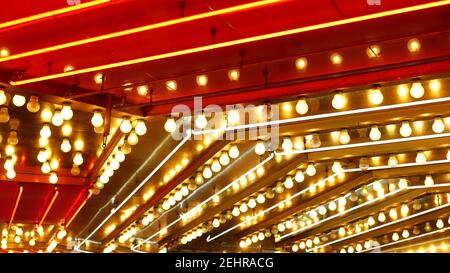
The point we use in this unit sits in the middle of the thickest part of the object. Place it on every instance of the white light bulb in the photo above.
(233, 117)
(310, 170)
(224, 159)
(417, 91)
(45, 168)
(207, 173)
(215, 166)
(260, 148)
(10, 174)
(78, 158)
(302, 106)
(288, 183)
(375, 133)
(405, 129)
(125, 126)
(392, 162)
(234, 152)
(337, 168)
(140, 128)
(133, 138)
(339, 101)
(53, 178)
(344, 137)
(429, 180)
(65, 145)
(375, 96)
(438, 126)
(421, 157)
(299, 176)
(287, 144)
(3, 97)
(97, 119)
(19, 100)
(66, 111)
(170, 126)
(45, 131)
(201, 122)
(57, 118)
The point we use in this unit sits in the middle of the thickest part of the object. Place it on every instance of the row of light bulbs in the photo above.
(19, 233)
(373, 51)
(339, 101)
(396, 236)
(383, 217)
(310, 216)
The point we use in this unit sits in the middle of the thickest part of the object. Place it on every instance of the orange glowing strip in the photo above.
(234, 42)
(140, 29)
(78, 210)
(19, 196)
(51, 13)
(49, 207)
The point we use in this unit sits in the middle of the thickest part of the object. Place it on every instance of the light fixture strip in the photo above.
(382, 226)
(138, 29)
(235, 42)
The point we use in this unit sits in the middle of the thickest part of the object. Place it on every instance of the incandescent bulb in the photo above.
(233, 116)
(57, 118)
(140, 128)
(339, 101)
(417, 91)
(375, 133)
(405, 129)
(65, 145)
(78, 158)
(45, 131)
(310, 170)
(97, 119)
(375, 96)
(234, 151)
(18, 100)
(170, 125)
(438, 126)
(66, 111)
(125, 126)
(344, 137)
(201, 121)
(33, 104)
(302, 106)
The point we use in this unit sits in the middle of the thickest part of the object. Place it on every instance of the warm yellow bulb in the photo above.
(171, 85)
(373, 51)
(202, 80)
(233, 74)
(375, 96)
(414, 45)
(260, 148)
(336, 58)
(375, 133)
(438, 125)
(4, 52)
(302, 106)
(405, 129)
(233, 117)
(97, 119)
(170, 125)
(142, 90)
(301, 63)
(339, 101)
(417, 91)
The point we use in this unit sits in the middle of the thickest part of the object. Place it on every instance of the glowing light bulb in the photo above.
(45, 131)
(142, 90)
(405, 129)
(336, 58)
(4, 52)
(201, 122)
(170, 125)
(404, 210)
(344, 137)
(45, 168)
(66, 111)
(301, 63)
(233, 74)
(381, 217)
(438, 126)
(224, 159)
(395, 237)
(429, 180)
(10, 174)
(125, 126)
(288, 183)
(234, 152)
(57, 118)
(99, 78)
(53, 178)
(393, 214)
(207, 173)
(202, 80)
(310, 170)
(140, 128)
(33, 104)
(260, 148)
(171, 85)
(260, 198)
(65, 145)
(133, 138)
(97, 119)
(414, 45)
(421, 158)
(215, 166)
(4, 116)
(439, 223)
(373, 51)
(78, 159)
(375, 96)
(417, 91)
(339, 101)
(233, 117)
(302, 106)
(299, 176)
(243, 207)
(336, 167)
(402, 183)
(287, 144)
(9, 150)
(375, 133)
(19, 100)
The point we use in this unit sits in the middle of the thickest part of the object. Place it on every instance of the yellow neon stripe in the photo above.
(51, 13)
(50, 205)
(16, 204)
(234, 42)
(139, 29)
